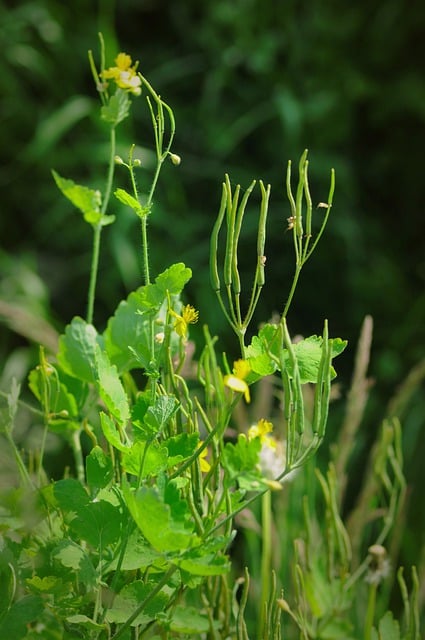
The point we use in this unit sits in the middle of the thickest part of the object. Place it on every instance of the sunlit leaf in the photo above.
(77, 348)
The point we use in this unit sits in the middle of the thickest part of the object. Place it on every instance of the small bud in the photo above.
(175, 159)
(283, 604)
(137, 162)
(118, 160)
(159, 337)
(322, 205)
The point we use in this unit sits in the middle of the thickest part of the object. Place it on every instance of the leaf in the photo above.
(85, 622)
(26, 610)
(111, 388)
(111, 432)
(77, 348)
(7, 586)
(117, 108)
(70, 494)
(188, 620)
(257, 353)
(173, 279)
(241, 462)
(99, 469)
(127, 199)
(151, 455)
(158, 415)
(164, 531)
(138, 555)
(308, 354)
(389, 629)
(98, 523)
(59, 399)
(181, 447)
(72, 556)
(47, 584)
(200, 563)
(130, 597)
(86, 200)
(128, 333)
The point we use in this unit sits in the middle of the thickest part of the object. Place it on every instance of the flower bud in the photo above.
(175, 159)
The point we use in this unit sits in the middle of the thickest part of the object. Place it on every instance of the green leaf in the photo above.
(130, 598)
(86, 200)
(98, 523)
(77, 349)
(200, 563)
(99, 469)
(26, 610)
(47, 584)
(127, 199)
(151, 455)
(188, 620)
(111, 432)
(7, 586)
(258, 352)
(241, 462)
(72, 556)
(128, 334)
(173, 279)
(308, 354)
(59, 398)
(166, 531)
(70, 494)
(181, 447)
(85, 622)
(117, 108)
(138, 555)
(111, 388)
(158, 415)
(389, 629)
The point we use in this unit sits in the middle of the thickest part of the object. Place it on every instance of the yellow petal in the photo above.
(236, 384)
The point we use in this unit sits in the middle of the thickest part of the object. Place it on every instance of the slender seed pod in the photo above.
(214, 275)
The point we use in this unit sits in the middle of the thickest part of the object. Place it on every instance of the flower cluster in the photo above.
(124, 74)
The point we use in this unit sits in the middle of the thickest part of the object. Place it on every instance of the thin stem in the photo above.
(97, 230)
(266, 551)
(292, 291)
(370, 612)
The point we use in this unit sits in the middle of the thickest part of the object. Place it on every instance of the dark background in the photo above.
(252, 83)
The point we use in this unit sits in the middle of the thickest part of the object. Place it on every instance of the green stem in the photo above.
(293, 288)
(266, 553)
(78, 455)
(97, 230)
(370, 613)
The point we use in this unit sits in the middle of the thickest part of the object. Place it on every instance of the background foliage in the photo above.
(252, 83)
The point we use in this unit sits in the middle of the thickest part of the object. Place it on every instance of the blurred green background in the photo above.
(252, 83)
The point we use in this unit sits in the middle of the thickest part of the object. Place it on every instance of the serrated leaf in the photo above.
(158, 415)
(130, 598)
(77, 349)
(111, 388)
(117, 108)
(99, 469)
(155, 520)
(88, 201)
(46, 584)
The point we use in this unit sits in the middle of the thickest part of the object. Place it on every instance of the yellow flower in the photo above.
(204, 464)
(261, 430)
(124, 75)
(236, 381)
(189, 316)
